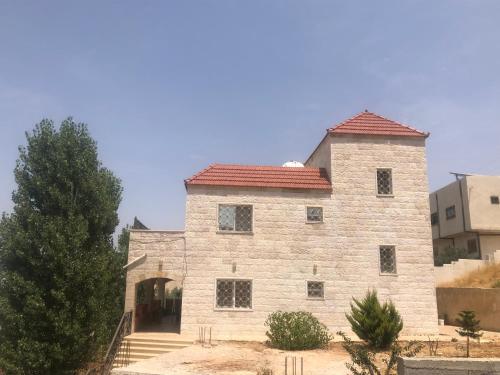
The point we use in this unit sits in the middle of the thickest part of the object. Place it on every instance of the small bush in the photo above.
(496, 284)
(297, 330)
(364, 359)
(378, 325)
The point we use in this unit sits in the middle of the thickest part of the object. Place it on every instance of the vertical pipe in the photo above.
(286, 362)
(301, 365)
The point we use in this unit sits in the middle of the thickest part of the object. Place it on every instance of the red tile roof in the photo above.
(371, 124)
(262, 177)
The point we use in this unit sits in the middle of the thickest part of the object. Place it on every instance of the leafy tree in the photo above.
(122, 257)
(469, 326)
(378, 325)
(59, 272)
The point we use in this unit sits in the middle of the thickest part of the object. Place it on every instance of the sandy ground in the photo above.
(237, 358)
(246, 358)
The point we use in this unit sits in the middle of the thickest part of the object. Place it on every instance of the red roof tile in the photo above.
(262, 177)
(371, 124)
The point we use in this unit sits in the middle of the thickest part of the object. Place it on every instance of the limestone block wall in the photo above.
(283, 251)
(165, 258)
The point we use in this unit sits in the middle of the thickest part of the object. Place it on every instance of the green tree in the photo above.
(378, 325)
(364, 358)
(122, 253)
(58, 267)
(469, 326)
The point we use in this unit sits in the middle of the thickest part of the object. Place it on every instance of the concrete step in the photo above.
(145, 346)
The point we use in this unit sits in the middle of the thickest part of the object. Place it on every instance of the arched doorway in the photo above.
(158, 303)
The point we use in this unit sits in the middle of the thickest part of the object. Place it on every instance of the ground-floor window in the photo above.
(233, 294)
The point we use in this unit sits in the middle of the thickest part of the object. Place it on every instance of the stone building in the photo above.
(259, 239)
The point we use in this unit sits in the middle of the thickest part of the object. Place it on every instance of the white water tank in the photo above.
(293, 164)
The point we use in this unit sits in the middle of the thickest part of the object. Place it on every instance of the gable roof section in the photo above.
(232, 175)
(368, 123)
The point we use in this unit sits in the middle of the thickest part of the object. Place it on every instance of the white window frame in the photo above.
(234, 231)
(315, 298)
(395, 273)
(322, 215)
(391, 195)
(233, 279)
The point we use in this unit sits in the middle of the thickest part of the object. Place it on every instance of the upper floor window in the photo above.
(235, 218)
(315, 289)
(233, 294)
(494, 199)
(450, 212)
(314, 214)
(387, 259)
(434, 218)
(384, 181)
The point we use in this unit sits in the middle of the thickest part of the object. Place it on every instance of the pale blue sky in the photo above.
(168, 87)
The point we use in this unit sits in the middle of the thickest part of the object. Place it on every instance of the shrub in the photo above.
(452, 254)
(378, 325)
(297, 330)
(496, 284)
(364, 359)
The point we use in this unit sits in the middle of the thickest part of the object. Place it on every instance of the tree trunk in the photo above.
(467, 346)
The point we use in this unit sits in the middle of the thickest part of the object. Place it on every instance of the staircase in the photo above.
(140, 346)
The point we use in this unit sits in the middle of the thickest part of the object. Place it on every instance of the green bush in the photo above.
(378, 325)
(298, 330)
(452, 254)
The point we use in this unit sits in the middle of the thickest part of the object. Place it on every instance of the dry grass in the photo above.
(485, 277)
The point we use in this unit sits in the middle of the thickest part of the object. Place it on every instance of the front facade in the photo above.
(262, 239)
(466, 215)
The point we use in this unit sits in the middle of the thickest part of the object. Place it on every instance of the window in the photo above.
(494, 199)
(434, 218)
(234, 294)
(450, 212)
(316, 289)
(314, 214)
(387, 259)
(233, 218)
(384, 181)
(472, 246)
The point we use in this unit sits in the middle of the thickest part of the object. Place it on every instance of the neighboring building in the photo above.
(466, 215)
(260, 239)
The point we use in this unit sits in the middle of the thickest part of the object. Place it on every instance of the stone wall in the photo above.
(165, 258)
(448, 366)
(284, 251)
(449, 272)
(484, 302)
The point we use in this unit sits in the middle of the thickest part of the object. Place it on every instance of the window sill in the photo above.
(232, 309)
(385, 195)
(387, 274)
(234, 232)
(315, 222)
(315, 299)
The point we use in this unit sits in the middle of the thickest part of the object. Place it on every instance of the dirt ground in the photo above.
(246, 358)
